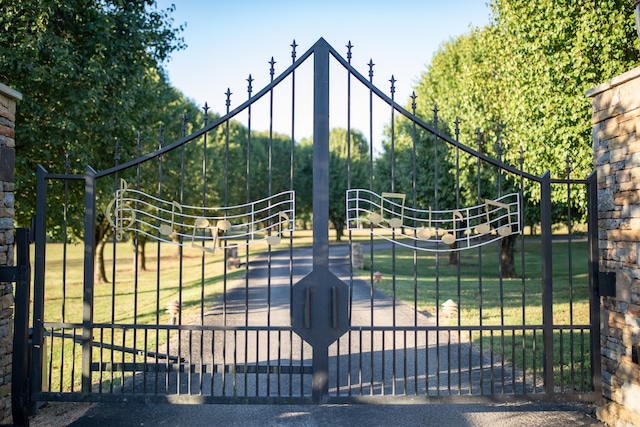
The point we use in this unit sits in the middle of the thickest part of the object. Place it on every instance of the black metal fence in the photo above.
(196, 281)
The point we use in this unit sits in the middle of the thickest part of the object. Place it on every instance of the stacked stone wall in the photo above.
(616, 147)
(8, 98)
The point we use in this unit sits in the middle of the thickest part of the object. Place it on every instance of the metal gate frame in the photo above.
(326, 320)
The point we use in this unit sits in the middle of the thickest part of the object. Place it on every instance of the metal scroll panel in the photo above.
(437, 230)
(206, 228)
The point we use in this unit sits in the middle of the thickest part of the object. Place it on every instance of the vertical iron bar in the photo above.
(349, 46)
(570, 262)
(501, 272)
(547, 281)
(594, 294)
(404, 362)
(523, 273)
(360, 370)
(257, 347)
(291, 178)
(320, 199)
(38, 285)
(269, 254)
(144, 363)
(437, 255)
(180, 264)
(136, 255)
(224, 281)
(64, 265)
(491, 364)
(513, 363)
(458, 261)
(246, 280)
(122, 370)
(100, 357)
(20, 358)
(414, 191)
(383, 363)
(393, 246)
(471, 362)
(89, 263)
(534, 350)
(561, 361)
(480, 302)
(158, 258)
(202, 271)
(114, 264)
(371, 264)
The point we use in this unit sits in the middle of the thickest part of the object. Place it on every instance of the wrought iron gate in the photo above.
(232, 308)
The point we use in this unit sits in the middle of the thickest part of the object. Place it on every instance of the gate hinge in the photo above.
(607, 284)
(9, 274)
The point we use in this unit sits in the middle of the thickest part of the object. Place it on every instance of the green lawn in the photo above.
(142, 297)
(425, 280)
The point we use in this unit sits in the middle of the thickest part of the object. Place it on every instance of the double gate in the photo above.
(213, 291)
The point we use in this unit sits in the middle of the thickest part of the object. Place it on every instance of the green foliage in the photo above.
(348, 168)
(522, 80)
(89, 72)
(552, 52)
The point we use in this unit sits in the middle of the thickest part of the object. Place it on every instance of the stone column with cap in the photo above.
(8, 99)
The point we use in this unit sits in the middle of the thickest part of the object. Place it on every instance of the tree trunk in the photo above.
(453, 255)
(140, 255)
(103, 232)
(101, 272)
(507, 265)
(339, 227)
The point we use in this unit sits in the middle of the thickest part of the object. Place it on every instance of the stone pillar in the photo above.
(8, 98)
(616, 147)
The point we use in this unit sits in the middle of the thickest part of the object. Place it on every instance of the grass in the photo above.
(134, 297)
(425, 280)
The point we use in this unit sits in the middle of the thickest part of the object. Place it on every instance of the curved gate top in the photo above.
(213, 291)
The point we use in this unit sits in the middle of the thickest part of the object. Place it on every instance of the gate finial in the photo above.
(293, 50)
(160, 136)
(67, 162)
(249, 86)
(228, 101)
(206, 113)
(184, 122)
(272, 69)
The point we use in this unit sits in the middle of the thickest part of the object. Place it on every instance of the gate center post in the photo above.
(319, 302)
(320, 383)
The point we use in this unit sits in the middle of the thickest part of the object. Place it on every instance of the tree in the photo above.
(84, 68)
(521, 81)
(549, 54)
(348, 168)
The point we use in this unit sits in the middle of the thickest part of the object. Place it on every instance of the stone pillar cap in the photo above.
(14, 94)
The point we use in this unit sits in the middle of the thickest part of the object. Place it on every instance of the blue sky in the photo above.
(228, 40)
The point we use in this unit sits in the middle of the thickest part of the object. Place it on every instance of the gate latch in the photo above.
(320, 308)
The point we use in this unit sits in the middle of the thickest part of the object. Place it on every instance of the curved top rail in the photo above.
(320, 43)
(424, 124)
(198, 133)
